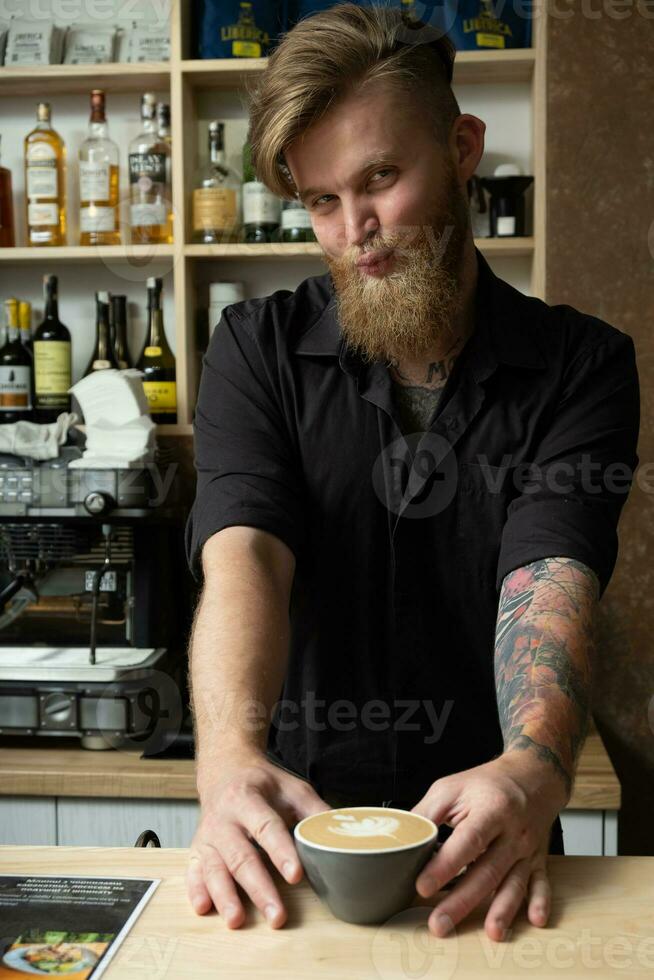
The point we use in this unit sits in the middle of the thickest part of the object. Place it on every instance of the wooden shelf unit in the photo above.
(185, 79)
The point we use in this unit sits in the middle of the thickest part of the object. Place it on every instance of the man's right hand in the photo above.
(252, 801)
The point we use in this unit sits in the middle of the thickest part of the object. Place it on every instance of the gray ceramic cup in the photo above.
(365, 884)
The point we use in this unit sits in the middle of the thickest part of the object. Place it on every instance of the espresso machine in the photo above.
(92, 611)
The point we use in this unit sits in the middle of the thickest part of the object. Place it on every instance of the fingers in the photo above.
(245, 866)
(268, 829)
(508, 900)
(483, 877)
(464, 845)
(540, 898)
(209, 884)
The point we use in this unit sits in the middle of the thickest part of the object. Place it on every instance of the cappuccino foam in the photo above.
(366, 828)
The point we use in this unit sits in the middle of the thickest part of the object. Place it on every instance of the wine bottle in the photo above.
(52, 359)
(157, 361)
(261, 208)
(103, 356)
(45, 182)
(118, 320)
(15, 371)
(7, 234)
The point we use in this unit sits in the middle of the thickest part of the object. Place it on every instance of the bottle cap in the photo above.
(226, 292)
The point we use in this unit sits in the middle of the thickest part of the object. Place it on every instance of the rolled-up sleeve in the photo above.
(247, 469)
(570, 499)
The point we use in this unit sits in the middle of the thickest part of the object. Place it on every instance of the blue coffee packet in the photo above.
(238, 28)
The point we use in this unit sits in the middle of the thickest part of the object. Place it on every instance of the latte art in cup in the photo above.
(366, 829)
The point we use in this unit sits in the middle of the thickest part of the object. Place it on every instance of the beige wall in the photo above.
(600, 259)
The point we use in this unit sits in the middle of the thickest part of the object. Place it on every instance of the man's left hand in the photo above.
(502, 814)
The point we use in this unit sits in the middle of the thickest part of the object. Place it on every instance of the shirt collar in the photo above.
(511, 319)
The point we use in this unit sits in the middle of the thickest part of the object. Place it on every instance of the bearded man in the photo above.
(404, 517)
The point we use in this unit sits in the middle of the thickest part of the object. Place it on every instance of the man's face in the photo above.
(373, 176)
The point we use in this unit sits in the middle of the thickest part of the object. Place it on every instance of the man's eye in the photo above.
(324, 197)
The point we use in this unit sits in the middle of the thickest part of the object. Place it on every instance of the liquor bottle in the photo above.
(296, 223)
(118, 321)
(261, 208)
(163, 129)
(98, 180)
(25, 324)
(7, 234)
(52, 360)
(15, 372)
(103, 356)
(217, 195)
(157, 361)
(149, 174)
(45, 182)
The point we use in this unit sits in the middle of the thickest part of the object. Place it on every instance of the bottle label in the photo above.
(260, 206)
(52, 374)
(152, 352)
(214, 207)
(100, 365)
(42, 174)
(295, 218)
(93, 181)
(506, 224)
(148, 214)
(15, 395)
(39, 215)
(146, 169)
(94, 218)
(161, 396)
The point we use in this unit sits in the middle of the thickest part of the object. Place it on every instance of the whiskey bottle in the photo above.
(217, 195)
(118, 321)
(25, 324)
(163, 129)
(52, 360)
(296, 223)
(7, 233)
(45, 182)
(157, 361)
(15, 371)
(261, 208)
(103, 356)
(98, 180)
(149, 178)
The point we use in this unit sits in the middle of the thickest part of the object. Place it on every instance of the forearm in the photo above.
(544, 650)
(238, 650)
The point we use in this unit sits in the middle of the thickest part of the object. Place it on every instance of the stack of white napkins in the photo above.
(119, 431)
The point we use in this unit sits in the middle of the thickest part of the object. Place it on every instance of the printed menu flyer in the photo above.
(59, 925)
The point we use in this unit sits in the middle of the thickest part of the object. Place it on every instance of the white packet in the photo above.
(90, 44)
(149, 43)
(33, 43)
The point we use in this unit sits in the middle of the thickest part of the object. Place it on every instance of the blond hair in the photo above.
(327, 56)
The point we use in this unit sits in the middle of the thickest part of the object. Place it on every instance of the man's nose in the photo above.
(359, 226)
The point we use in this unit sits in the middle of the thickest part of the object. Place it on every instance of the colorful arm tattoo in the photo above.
(544, 645)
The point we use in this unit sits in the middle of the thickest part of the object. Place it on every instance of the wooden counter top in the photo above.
(601, 925)
(50, 770)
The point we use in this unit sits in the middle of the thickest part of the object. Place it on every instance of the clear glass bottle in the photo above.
(103, 356)
(165, 134)
(149, 178)
(52, 359)
(261, 208)
(217, 195)
(15, 372)
(98, 180)
(7, 230)
(45, 182)
(157, 361)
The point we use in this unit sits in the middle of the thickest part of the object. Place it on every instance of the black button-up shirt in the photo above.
(402, 542)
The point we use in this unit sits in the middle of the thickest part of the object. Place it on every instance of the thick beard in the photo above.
(416, 305)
